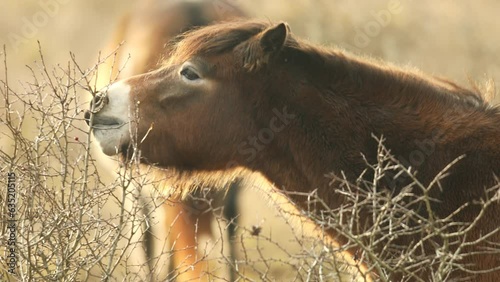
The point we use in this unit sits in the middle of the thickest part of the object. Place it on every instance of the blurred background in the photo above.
(447, 38)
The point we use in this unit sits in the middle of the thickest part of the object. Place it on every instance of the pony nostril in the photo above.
(97, 99)
(100, 100)
(86, 116)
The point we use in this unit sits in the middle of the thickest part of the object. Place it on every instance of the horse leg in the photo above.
(147, 242)
(184, 228)
(231, 214)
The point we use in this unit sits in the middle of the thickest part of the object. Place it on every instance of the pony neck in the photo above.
(342, 104)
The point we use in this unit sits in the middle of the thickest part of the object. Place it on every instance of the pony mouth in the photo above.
(106, 123)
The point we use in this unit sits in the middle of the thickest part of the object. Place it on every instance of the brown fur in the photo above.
(146, 33)
(336, 103)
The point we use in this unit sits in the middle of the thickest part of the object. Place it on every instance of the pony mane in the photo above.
(236, 36)
(426, 87)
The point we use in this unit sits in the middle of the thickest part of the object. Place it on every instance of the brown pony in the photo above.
(146, 33)
(252, 95)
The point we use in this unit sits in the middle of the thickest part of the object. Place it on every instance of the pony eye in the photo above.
(189, 74)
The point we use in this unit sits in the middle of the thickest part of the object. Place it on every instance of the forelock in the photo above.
(215, 39)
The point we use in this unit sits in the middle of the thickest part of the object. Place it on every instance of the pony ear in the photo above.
(257, 53)
(274, 38)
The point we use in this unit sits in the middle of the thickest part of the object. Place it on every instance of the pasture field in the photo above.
(448, 39)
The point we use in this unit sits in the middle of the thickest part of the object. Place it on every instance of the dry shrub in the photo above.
(63, 232)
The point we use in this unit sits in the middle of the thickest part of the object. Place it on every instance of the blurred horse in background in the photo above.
(145, 33)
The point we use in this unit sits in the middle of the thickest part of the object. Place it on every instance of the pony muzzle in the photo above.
(96, 105)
